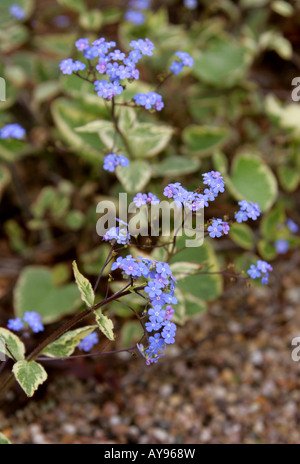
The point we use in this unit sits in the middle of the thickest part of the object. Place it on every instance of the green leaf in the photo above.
(287, 116)
(135, 177)
(289, 178)
(91, 20)
(131, 333)
(267, 250)
(35, 291)
(202, 140)
(175, 166)
(222, 63)
(282, 8)
(203, 286)
(105, 325)
(84, 286)
(94, 260)
(274, 40)
(242, 235)
(68, 116)
(271, 223)
(30, 375)
(75, 219)
(13, 37)
(193, 305)
(67, 343)
(11, 150)
(75, 5)
(15, 345)
(4, 440)
(251, 179)
(55, 44)
(180, 308)
(148, 140)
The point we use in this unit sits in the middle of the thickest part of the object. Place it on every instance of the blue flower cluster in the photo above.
(260, 270)
(69, 66)
(185, 60)
(190, 4)
(114, 64)
(88, 342)
(112, 160)
(160, 290)
(12, 131)
(193, 200)
(32, 318)
(248, 210)
(17, 12)
(218, 228)
(150, 100)
(142, 199)
(117, 234)
(135, 13)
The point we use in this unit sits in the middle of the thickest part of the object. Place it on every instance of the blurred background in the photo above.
(230, 377)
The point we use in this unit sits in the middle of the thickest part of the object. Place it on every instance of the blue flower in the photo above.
(216, 228)
(12, 131)
(292, 226)
(158, 313)
(82, 44)
(282, 246)
(117, 55)
(34, 321)
(261, 267)
(112, 160)
(17, 12)
(248, 210)
(117, 234)
(88, 342)
(68, 66)
(190, 4)
(163, 269)
(90, 53)
(176, 67)
(253, 272)
(150, 100)
(153, 324)
(146, 47)
(185, 60)
(15, 324)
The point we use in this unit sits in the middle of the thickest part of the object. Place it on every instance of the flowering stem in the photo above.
(104, 266)
(67, 326)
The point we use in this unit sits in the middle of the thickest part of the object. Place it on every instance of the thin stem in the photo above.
(100, 353)
(103, 267)
(118, 130)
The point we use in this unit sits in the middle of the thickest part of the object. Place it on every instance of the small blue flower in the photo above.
(82, 44)
(88, 342)
(112, 160)
(146, 47)
(190, 4)
(292, 226)
(34, 321)
(67, 66)
(15, 324)
(282, 246)
(17, 12)
(12, 131)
